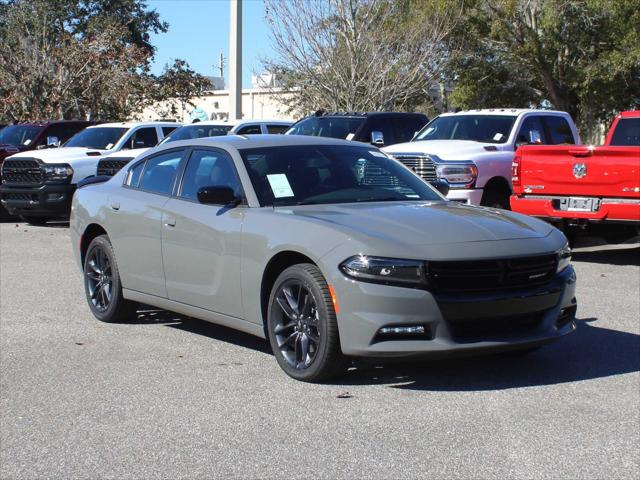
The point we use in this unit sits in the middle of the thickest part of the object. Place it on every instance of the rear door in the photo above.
(136, 221)
(201, 244)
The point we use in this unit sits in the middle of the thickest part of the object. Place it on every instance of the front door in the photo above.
(201, 244)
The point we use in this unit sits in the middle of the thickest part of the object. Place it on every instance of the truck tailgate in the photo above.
(580, 171)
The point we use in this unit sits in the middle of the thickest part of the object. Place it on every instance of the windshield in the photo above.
(327, 126)
(101, 138)
(19, 135)
(478, 128)
(305, 175)
(627, 132)
(189, 132)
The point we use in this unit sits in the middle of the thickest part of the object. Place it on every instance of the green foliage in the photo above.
(582, 56)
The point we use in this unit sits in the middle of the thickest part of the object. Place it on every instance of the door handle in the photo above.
(115, 206)
(170, 222)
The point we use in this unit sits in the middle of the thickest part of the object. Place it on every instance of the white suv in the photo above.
(473, 150)
(39, 184)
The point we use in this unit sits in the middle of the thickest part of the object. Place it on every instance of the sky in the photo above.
(199, 30)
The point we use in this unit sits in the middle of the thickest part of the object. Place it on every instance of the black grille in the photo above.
(421, 164)
(21, 172)
(112, 166)
(491, 275)
(482, 328)
(17, 196)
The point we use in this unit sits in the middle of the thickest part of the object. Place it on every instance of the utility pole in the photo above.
(235, 60)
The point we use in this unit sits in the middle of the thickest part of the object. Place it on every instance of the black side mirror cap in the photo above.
(217, 195)
(441, 185)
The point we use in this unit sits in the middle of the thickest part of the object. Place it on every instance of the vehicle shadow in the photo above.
(612, 256)
(590, 352)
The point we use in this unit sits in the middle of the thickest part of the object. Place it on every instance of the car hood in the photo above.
(60, 155)
(444, 149)
(423, 223)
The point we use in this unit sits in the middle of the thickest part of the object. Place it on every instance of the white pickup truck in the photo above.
(473, 150)
(38, 185)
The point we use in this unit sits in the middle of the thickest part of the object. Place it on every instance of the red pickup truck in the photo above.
(582, 187)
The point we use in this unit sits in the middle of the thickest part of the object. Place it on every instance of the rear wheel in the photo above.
(35, 220)
(302, 326)
(102, 284)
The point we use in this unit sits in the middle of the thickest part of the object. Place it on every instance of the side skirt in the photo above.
(191, 311)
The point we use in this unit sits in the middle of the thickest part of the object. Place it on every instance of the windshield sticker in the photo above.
(377, 154)
(280, 185)
(350, 136)
(27, 141)
(497, 137)
(109, 146)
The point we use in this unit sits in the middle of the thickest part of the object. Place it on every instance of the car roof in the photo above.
(137, 124)
(630, 114)
(502, 111)
(241, 142)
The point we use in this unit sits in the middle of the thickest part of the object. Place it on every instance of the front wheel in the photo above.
(102, 284)
(302, 326)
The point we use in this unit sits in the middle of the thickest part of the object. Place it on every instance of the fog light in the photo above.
(414, 330)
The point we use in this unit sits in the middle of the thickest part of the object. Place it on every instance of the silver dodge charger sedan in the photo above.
(328, 249)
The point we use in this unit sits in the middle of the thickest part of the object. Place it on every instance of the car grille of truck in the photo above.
(27, 197)
(21, 172)
(483, 328)
(421, 164)
(112, 166)
(483, 276)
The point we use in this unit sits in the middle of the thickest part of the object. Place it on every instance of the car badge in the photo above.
(579, 170)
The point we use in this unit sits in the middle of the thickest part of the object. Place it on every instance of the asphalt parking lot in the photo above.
(175, 397)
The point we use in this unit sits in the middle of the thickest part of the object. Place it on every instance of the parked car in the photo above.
(215, 128)
(291, 238)
(21, 137)
(473, 150)
(595, 189)
(39, 185)
(376, 128)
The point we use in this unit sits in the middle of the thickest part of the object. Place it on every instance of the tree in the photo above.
(358, 55)
(66, 59)
(581, 56)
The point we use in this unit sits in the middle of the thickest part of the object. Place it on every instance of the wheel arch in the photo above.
(276, 265)
(92, 231)
(498, 183)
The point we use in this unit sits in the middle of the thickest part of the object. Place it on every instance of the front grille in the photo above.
(21, 172)
(479, 276)
(483, 328)
(421, 164)
(18, 196)
(112, 166)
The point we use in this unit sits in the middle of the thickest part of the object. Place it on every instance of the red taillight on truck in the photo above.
(515, 170)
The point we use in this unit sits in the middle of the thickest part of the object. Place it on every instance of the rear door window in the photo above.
(142, 138)
(559, 131)
(249, 130)
(277, 129)
(159, 173)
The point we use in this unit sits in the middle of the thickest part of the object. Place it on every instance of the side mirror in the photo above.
(216, 195)
(53, 142)
(377, 139)
(441, 185)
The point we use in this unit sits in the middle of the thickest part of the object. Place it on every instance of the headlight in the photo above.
(564, 258)
(389, 271)
(462, 175)
(57, 172)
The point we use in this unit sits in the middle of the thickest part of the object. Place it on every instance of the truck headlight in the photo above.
(564, 258)
(461, 175)
(389, 271)
(57, 172)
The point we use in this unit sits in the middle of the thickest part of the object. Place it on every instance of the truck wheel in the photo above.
(495, 199)
(102, 284)
(302, 326)
(33, 220)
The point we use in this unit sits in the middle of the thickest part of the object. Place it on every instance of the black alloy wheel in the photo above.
(99, 279)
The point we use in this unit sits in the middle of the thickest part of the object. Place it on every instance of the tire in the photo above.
(33, 220)
(304, 338)
(495, 199)
(102, 285)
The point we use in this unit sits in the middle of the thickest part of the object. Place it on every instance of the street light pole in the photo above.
(235, 60)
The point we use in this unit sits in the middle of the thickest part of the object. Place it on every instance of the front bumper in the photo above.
(469, 323)
(49, 200)
(611, 209)
(469, 197)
